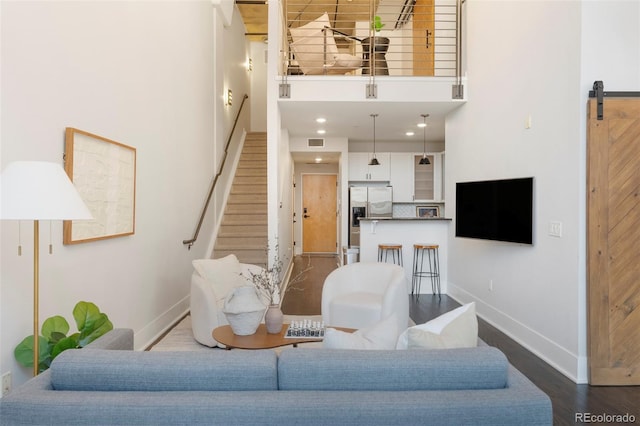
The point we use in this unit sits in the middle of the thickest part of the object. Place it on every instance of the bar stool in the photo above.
(394, 249)
(433, 263)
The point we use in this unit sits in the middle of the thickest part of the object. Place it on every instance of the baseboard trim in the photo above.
(285, 280)
(158, 327)
(553, 354)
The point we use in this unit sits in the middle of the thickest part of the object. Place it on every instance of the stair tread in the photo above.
(243, 199)
(241, 248)
(243, 229)
(232, 222)
(246, 208)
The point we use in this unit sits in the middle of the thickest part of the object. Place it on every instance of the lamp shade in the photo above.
(38, 190)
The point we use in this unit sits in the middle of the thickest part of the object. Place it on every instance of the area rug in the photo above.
(180, 337)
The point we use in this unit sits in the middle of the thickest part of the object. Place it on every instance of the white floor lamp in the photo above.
(36, 190)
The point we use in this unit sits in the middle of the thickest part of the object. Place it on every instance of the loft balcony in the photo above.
(331, 52)
(371, 37)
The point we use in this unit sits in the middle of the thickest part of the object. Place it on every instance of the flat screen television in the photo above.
(500, 210)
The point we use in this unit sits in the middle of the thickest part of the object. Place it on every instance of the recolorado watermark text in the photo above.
(604, 418)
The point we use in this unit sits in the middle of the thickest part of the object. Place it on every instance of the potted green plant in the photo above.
(376, 24)
(375, 48)
(91, 324)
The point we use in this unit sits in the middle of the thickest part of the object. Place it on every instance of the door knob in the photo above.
(306, 216)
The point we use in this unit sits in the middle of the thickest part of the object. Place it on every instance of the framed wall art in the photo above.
(427, 211)
(104, 173)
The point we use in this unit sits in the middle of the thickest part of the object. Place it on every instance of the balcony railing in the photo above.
(417, 38)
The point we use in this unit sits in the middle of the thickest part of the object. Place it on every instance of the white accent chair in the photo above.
(316, 52)
(361, 294)
(211, 282)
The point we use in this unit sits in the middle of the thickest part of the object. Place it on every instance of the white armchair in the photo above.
(315, 50)
(361, 294)
(211, 282)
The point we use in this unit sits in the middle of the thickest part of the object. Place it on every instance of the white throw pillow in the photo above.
(314, 46)
(312, 28)
(382, 335)
(455, 329)
(344, 60)
(311, 55)
(222, 274)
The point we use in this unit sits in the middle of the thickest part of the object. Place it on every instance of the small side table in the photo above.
(261, 339)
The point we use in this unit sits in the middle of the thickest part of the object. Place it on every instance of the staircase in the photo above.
(243, 230)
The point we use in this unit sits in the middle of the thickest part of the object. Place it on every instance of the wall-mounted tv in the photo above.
(500, 210)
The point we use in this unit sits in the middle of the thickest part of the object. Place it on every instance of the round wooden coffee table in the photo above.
(261, 339)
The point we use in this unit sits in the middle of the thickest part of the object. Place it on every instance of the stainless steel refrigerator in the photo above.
(367, 201)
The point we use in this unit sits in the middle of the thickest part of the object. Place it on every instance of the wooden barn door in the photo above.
(613, 241)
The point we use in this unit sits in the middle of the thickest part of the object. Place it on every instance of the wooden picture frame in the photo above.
(104, 173)
(427, 211)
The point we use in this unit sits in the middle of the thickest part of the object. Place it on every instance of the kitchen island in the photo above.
(406, 231)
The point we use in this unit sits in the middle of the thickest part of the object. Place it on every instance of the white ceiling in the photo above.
(353, 119)
(310, 157)
(350, 117)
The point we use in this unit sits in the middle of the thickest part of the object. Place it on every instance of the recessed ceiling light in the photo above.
(321, 120)
(421, 125)
(409, 133)
(322, 132)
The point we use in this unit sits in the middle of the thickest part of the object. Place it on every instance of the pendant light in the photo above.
(424, 160)
(374, 161)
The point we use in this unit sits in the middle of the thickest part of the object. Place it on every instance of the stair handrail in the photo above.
(193, 239)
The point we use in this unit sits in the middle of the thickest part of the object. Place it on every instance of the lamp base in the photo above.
(36, 291)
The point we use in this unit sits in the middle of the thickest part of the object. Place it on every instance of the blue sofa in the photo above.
(108, 383)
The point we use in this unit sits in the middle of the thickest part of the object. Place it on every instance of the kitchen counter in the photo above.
(406, 231)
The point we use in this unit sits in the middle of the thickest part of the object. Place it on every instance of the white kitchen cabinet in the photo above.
(401, 176)
(423, 178)
(360, 170)
(412, 181)
(428, 179)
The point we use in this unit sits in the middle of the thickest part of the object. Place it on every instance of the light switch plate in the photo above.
(555, 229)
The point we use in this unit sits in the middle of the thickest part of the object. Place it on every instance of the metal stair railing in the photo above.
(419, 37)
(193, 239)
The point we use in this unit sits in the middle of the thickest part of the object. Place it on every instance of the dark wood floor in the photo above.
(567, 397)
(304, 295)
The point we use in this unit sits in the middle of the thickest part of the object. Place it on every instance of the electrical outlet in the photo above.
(6, 383)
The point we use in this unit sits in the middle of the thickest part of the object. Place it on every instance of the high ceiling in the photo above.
(254, 15)
(342, 13)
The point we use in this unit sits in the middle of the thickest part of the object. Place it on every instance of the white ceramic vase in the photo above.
(243, 310)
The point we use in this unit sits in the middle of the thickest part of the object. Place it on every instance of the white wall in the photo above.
(231, 55)
(259, 87)
(538, 291)
(284, 176)
(141, 73)
(280, 164)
